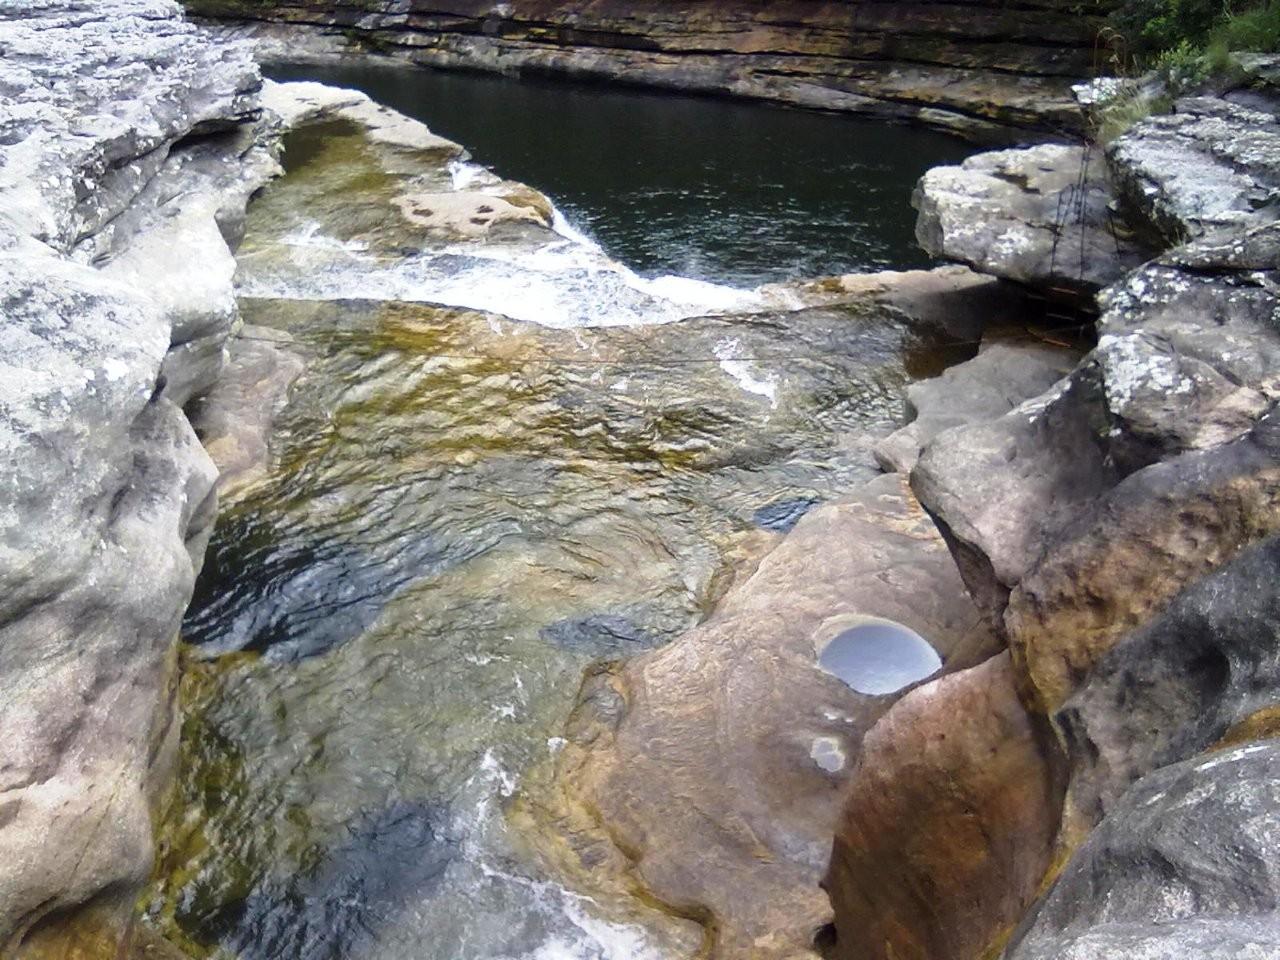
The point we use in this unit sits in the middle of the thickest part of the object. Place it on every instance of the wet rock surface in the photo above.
(733, 740)
(461, 509)
(986, 71)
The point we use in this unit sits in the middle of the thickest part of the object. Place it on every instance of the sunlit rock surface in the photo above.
(1207, 165)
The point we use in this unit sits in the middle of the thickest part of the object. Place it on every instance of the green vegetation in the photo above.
(1190, 41)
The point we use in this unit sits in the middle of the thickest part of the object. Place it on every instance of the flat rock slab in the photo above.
(734, 743)
(1041, 216)
(1208, 165)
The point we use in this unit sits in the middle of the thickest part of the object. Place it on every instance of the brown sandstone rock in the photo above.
(985, 70)
(718, 763)
(947, 827)
(1160, 530)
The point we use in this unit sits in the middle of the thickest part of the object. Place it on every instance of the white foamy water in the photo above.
(567, 281)
(572, 923)
(741, 371)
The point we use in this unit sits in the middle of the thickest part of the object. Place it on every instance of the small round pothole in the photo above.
(877, 656)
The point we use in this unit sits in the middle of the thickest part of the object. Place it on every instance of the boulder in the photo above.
(1041, 216)
(1186, 864)
(1118, 563)
(1174, 382)
(1160, 383)
(1207, 165)
(734, 743)
(1001, 490)
(1206, 668)
(947, 824)
(1002, 375)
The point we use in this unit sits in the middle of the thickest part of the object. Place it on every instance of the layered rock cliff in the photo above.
(987, 70)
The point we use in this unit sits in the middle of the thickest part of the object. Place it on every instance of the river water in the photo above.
(508, 456)
(732, 192)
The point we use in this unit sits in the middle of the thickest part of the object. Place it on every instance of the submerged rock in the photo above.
(234, 418)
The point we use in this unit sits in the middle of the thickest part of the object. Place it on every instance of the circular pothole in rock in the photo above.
(879, 656)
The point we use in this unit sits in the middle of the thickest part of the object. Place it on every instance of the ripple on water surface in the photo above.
(719, 190)
(463, 511)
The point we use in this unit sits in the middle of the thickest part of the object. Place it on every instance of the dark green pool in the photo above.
(731, 192)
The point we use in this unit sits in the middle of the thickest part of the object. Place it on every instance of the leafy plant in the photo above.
(1257, 28)
(1182, 67)
(1170, 35)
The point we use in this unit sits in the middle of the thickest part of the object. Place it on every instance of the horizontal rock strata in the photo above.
(986, 70)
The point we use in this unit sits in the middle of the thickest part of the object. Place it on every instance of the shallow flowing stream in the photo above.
(720, 190)
(506, 457)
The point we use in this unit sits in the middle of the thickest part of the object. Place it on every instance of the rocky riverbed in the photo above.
(516, 635)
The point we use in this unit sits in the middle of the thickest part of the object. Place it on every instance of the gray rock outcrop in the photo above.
(1041, 216)
(1207, 165)
(1184, 866)
(1118, 530)
(125, 162)
(1206, 668)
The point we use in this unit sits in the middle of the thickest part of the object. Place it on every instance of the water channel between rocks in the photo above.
(465, 509)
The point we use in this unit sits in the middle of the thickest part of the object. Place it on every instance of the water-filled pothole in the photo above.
(879, 656)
